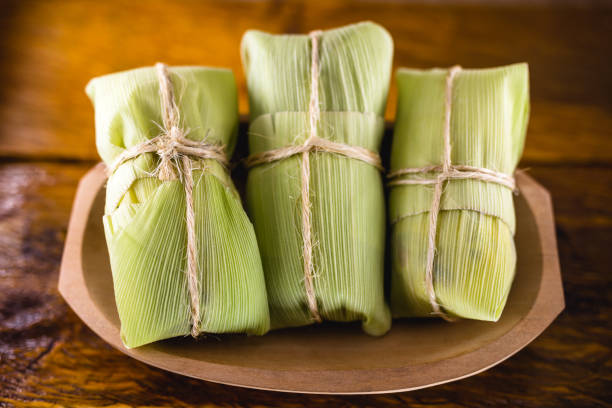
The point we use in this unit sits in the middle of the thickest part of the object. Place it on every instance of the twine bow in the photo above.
(176, 154)
(447, 171)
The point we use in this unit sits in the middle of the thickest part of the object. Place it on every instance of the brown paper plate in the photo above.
(330, 358)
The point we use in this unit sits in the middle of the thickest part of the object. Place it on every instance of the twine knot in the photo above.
(168, 153)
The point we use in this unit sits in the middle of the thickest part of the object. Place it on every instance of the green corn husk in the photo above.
(346, 195)
(475, 255)
(144, 217)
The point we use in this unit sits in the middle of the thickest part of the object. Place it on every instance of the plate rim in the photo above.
(548, 304)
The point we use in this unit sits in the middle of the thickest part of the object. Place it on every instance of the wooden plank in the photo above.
(580, 194)
(50, 50)
(49, 357)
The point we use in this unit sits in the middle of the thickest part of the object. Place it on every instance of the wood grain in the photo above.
(50, 50)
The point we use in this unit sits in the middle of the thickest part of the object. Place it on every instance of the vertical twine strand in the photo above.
(437, 196)
(314, 109)
(192, 249)
(168, 153)
(314, 115)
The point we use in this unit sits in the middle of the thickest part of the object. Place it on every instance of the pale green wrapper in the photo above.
(346, 195)
(144, 219)
(475, 257)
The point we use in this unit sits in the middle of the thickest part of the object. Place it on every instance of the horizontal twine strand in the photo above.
(316, 144)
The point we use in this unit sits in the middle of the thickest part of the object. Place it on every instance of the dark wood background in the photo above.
(48, 52)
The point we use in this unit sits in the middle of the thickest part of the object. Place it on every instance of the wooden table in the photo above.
(49, 50)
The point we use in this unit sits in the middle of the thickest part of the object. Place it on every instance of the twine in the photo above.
(312, 144)
(447, 171)
(176, 154)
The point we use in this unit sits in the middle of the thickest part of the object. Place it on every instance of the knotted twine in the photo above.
(311, 145)
(176, 154)
(447, 171)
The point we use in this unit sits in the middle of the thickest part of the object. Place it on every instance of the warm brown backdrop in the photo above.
(48, 52)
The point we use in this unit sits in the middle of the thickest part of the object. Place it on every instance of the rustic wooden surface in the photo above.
(49, 50)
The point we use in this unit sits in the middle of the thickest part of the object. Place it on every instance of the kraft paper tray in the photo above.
(330, 358)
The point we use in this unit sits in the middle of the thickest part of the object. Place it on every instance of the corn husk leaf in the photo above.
(144, 217)
(475, 254)
(346, 195)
